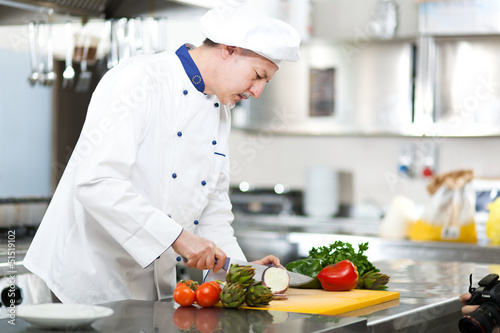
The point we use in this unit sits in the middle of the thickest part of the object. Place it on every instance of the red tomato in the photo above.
(184, 317)
(207, 319)
(183, 295)
(217, 285)
(340, 276)
(190, 283)
(207, 295)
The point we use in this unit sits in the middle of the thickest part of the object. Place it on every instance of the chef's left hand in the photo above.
(269, 260)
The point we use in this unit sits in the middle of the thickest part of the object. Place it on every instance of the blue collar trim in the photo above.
(190, 68)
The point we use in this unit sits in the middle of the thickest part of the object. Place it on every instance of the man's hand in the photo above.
(467, 309)
(269, 260)
(199, 252)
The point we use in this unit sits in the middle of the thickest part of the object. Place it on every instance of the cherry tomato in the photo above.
(184, 296)
(207, 295)
(207, 319)
(184, 317)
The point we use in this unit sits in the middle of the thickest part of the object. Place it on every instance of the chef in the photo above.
(147, 184)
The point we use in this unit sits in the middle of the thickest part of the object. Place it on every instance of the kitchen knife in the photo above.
(296, 279)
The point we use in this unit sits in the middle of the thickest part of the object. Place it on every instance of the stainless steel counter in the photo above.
(164, 316)
(429, 276)
(429, 293)
(428, 302)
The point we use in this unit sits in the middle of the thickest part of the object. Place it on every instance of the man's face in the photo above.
(244, 75)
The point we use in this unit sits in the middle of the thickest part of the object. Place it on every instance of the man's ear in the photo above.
(227, 51)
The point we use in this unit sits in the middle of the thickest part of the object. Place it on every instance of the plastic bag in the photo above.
(449, 215)
(400, 215)
(493, 222)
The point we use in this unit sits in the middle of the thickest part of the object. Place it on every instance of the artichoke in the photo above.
(233, 295)
(240, 274)
(258, 295)
(373, 280)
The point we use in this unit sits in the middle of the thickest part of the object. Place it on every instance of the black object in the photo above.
(487, 317)
(13, 293)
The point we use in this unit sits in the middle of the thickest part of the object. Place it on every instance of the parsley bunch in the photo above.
(339, 251)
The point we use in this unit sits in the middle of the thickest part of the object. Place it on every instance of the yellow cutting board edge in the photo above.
(315, 301)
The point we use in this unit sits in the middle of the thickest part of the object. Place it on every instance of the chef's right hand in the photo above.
(199, 252)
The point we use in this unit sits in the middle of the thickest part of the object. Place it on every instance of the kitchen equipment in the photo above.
(266, 201)
(41, 38)
(50, 75)
(321, 194)
(386, 18)
(122, 35)
(62, 316)
(113, 47)
(33, 78)
(69, 72)
(84, 80)
(330, 302)
(18, 285)
(22, 212)
(296, 279)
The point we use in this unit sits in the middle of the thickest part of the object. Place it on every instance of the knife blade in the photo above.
(296, 279)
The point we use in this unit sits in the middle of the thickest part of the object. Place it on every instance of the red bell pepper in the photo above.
(340, 276)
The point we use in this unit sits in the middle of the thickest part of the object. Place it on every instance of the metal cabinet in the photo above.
(459, 92)
(370, 90)
(352, 80)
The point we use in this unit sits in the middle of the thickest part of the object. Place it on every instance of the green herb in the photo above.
(368, 275)
(339, 251)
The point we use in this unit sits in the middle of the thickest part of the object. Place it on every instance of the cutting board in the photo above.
(324, 302)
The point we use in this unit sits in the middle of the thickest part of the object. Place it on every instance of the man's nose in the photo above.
(258, 88)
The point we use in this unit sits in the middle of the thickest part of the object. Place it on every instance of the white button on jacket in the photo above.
(118, 207)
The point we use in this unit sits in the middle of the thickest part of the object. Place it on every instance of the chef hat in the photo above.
(243, 26)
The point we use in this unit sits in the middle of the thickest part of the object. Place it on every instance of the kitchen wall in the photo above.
(25, 128)
(264, 159)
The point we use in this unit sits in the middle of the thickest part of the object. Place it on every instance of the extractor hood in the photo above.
(17, 11)
(94, 8)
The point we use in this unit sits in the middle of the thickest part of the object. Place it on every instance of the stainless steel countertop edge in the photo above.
(451, 303)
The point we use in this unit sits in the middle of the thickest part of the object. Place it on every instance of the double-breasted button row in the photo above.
(203, 183)
(185, 92)
(179, 134)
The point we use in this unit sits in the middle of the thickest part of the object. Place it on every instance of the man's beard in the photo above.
(231, 104)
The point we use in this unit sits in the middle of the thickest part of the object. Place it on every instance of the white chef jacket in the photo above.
(152, 160)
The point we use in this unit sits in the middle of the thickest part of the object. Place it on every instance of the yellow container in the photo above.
(424, 231)
(493, 223)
